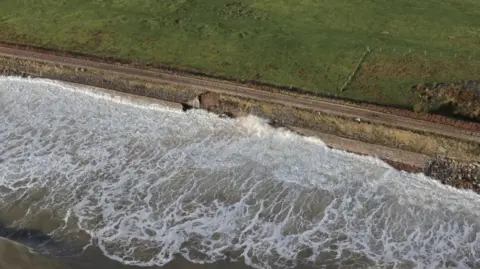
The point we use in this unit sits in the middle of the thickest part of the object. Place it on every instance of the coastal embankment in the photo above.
(439, 150)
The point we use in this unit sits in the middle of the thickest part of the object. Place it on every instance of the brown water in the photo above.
(91, 181)
(17, 256)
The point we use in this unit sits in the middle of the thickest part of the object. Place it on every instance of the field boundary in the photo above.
(357, 67)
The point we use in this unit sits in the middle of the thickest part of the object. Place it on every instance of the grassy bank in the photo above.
(314, 45)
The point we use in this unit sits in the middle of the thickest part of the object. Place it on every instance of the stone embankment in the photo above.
(459, 174)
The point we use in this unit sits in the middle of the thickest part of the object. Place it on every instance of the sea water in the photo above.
(145, 185)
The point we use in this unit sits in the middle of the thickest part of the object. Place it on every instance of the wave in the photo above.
(145, 183)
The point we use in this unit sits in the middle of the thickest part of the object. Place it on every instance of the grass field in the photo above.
(311, 44)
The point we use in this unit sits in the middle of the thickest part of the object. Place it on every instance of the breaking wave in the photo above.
(144, 183)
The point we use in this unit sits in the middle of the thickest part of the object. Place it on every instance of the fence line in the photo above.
(349, 79)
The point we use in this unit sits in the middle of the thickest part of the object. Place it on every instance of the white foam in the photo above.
(147, 183)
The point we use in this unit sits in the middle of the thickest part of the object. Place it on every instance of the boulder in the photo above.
(209, 100)
(194, 103)
(457, 173)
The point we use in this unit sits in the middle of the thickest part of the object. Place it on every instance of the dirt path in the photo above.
(305, 102)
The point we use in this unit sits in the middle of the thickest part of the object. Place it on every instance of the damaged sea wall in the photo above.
(370, 136)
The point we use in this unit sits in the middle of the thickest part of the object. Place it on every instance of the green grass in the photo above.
(310, 44)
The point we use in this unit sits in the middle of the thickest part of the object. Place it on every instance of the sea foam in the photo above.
(146, 183)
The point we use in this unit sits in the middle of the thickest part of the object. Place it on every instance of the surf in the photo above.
(145, 183)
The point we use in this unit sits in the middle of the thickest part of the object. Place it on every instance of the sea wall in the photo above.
(415, 148)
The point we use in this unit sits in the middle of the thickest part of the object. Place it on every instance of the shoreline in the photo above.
(398, 159)
(268, 87)
(280, 115)
(300, 101)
